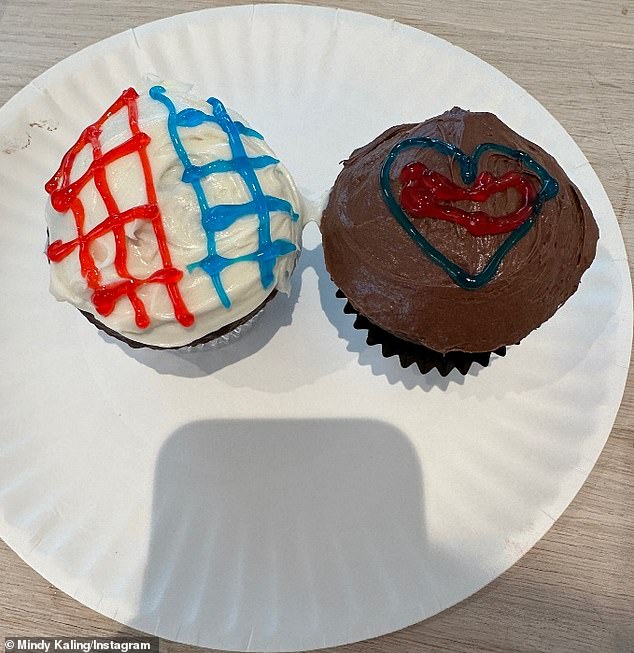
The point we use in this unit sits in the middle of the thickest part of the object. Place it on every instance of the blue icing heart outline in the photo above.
(468, 171)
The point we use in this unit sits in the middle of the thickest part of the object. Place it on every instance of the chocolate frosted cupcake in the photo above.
(454, 238)
(170, 222)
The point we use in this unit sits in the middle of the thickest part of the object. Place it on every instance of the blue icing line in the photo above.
(468, 170)
(217, 263)
(247, 131)
(222, 216)
(198, 172)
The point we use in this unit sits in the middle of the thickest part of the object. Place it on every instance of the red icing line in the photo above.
(65, 196)
(426, 194)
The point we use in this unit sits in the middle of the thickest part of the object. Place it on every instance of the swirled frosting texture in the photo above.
(213, 300)
(391, 281)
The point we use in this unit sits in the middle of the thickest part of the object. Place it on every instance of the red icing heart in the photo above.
(428, 194)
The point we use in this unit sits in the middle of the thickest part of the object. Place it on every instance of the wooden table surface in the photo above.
(574, 591)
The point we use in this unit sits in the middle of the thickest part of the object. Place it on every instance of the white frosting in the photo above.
(185, 235)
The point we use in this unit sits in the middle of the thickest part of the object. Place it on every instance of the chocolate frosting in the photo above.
(390, 280)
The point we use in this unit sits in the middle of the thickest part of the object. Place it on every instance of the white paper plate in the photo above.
(295, 490)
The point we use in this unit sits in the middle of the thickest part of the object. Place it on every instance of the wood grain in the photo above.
(574, 591)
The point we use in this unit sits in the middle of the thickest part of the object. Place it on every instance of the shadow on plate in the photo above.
(288, 530)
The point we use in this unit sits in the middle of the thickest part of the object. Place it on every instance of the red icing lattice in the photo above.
(65, 196)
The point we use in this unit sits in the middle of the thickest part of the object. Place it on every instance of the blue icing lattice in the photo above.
(222, 216)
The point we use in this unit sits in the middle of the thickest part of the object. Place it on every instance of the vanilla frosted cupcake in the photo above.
(170, 221)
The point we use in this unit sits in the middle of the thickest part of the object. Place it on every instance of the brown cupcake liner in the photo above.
(409, 353)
